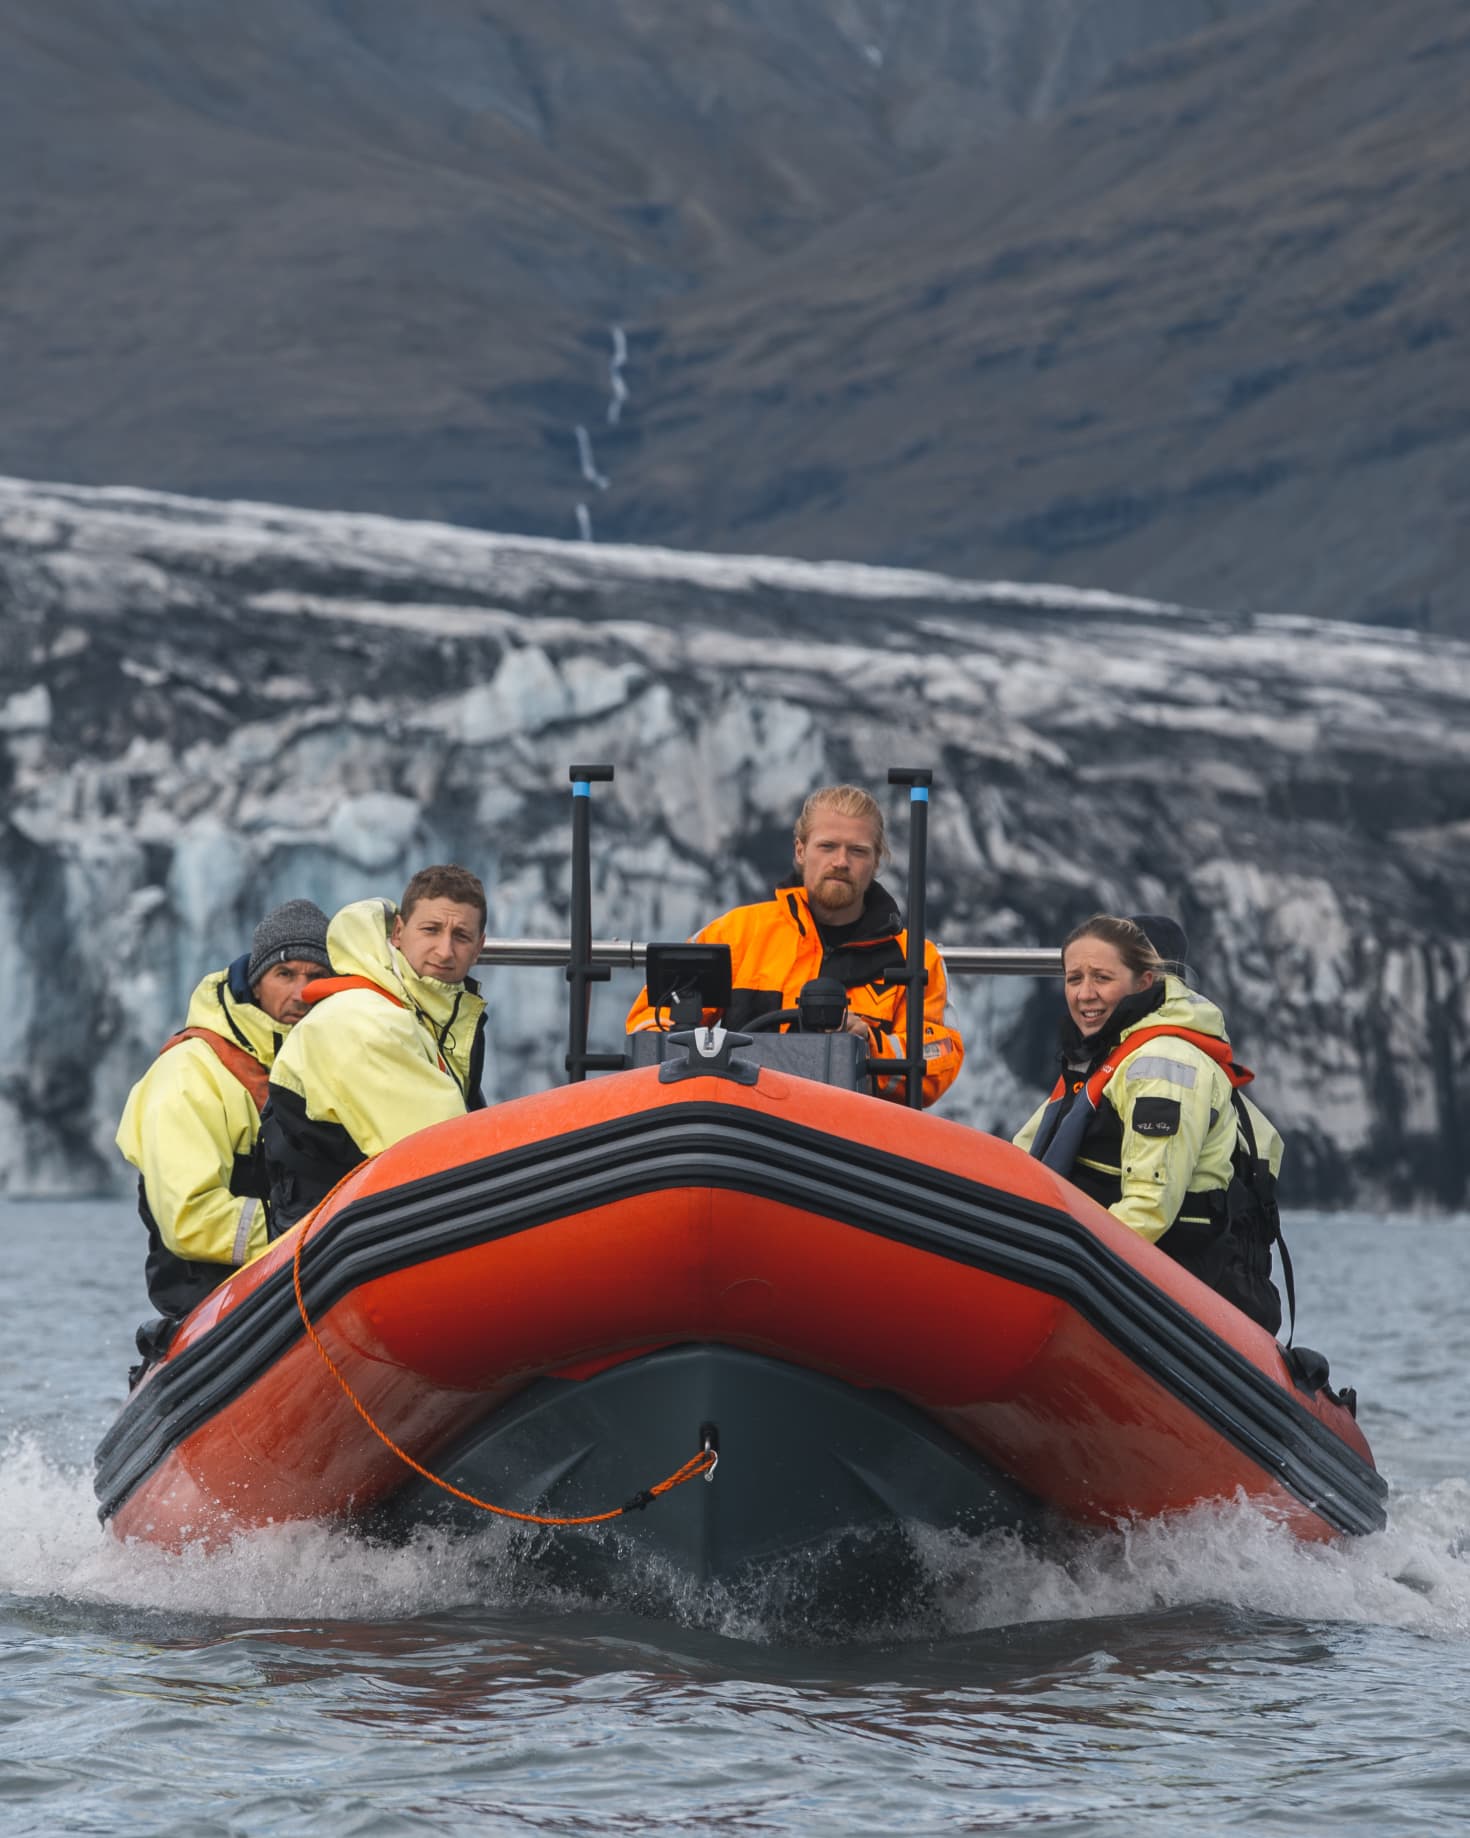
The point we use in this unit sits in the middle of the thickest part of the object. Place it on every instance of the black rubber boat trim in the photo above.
(698, 1144)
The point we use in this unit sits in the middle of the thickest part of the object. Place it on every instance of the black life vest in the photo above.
(1072, 1107)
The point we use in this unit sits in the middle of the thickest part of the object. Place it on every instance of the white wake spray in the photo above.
(1414, 1575)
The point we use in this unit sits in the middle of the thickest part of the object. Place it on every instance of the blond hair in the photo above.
(846, 801)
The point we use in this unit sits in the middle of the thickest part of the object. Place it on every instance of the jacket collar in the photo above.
(880, 918)
(1169, 1002)
(214, 1005)
(1086, 1051)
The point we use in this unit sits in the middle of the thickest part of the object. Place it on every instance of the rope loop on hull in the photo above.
(704, 1463)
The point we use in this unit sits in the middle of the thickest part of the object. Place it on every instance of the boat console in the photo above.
(830, 1059)
(692, 985)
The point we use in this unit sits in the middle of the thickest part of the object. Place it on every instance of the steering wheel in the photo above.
(768, 1023)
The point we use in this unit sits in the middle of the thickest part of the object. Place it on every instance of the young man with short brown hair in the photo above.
(393, 1042)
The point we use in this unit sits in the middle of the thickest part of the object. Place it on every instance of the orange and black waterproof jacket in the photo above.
(776, 948)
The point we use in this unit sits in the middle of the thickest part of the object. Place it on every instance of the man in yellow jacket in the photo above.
(392, 1042)
(192, 1122)
(834, 919)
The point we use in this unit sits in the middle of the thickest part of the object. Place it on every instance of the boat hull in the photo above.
(802, 1459)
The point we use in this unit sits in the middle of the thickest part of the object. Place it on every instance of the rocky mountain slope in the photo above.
(207, 709)
(1158, 295)
(1203, 337)
(356, 254)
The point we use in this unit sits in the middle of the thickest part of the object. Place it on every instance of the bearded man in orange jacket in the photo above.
(834, 919)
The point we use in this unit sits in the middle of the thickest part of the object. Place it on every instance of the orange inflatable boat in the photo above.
(871, 1314)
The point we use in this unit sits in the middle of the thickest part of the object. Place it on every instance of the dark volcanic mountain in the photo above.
(1156, 294)
(206, 710)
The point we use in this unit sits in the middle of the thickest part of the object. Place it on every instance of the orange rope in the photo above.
(703, 1463)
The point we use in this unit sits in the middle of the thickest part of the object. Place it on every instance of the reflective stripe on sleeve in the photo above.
(242, 1232)
(1154, 1066)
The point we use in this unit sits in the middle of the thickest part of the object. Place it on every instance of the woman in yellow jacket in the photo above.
(1144, 1117)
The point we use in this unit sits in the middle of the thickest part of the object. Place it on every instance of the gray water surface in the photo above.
(1207, 1674)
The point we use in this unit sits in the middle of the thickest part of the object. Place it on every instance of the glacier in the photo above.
(210, 707)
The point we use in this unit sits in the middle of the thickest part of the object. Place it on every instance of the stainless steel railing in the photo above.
(628, 954)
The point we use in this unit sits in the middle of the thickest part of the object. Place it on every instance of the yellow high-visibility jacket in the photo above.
(1165, 1130)
(367, 1066)
(188, 1127)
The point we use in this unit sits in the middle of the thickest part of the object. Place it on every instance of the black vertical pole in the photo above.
(914, 975)
(581, 971)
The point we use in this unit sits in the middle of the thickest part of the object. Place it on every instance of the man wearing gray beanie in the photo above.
(288, 948)
(191, 1124)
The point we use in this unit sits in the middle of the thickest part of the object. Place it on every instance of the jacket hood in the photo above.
(358, 943)
(214, 1005)
(1183, 1007)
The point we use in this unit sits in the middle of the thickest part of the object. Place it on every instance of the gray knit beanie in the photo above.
(295, 932)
